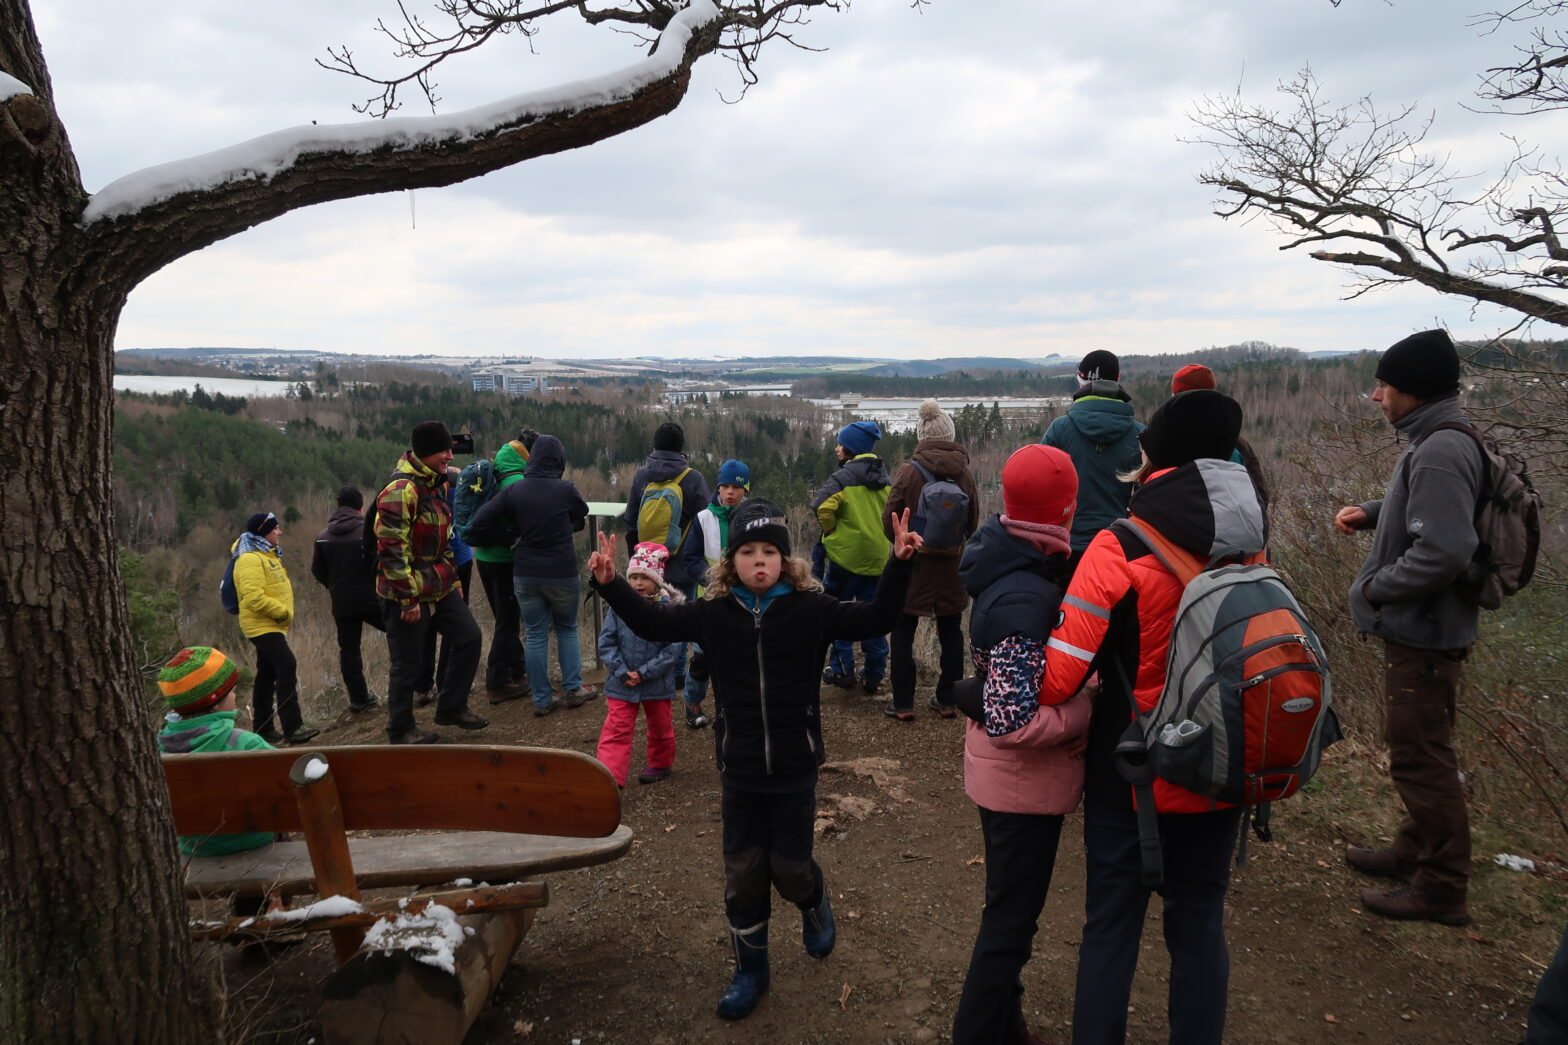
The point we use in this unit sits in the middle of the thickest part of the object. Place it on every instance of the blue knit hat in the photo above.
(858, 437)
(734, 473)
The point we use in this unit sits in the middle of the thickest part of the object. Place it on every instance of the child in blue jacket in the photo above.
(639, 673)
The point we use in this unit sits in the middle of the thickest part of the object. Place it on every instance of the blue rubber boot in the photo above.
(817, 931)
(751, 972)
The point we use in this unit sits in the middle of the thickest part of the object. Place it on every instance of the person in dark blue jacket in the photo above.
(1099, 433)
(540, 514)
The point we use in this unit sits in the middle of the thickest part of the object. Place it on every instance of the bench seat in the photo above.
(395, 860)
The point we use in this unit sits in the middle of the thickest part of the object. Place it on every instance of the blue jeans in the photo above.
(548, 606)
(852, 587)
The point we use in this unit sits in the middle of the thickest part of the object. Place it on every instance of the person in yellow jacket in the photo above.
(266, 610)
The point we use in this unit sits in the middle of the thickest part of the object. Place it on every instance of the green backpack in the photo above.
(659, 512)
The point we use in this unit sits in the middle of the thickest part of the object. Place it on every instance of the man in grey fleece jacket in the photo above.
(1405, 596)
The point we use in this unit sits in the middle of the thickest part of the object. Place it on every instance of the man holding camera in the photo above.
(419, 587)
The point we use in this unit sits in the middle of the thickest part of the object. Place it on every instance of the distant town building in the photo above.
(485, 380)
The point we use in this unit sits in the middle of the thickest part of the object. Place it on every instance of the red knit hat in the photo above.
(1040, 485)
(1193, 375)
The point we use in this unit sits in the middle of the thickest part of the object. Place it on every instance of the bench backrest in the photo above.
(436, 787)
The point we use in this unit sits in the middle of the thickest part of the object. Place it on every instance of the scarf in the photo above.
(1049, 539)
(249, 542)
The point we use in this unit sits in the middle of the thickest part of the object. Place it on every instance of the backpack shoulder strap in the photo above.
(1181, 563)
(1480, 440)
(925, 473)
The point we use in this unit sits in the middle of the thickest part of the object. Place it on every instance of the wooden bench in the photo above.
(485, 814)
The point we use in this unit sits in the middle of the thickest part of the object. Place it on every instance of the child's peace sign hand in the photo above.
(602, 562)
(905, 540)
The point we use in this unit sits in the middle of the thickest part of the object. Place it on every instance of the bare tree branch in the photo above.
(1356, 175)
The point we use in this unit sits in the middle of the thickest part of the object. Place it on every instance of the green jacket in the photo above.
(214, 731)
(849, 506)
(510, 463)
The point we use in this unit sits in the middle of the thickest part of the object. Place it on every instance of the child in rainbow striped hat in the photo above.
(198, 686)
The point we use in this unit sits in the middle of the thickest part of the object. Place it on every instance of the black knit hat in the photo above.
(1100, 365)
(350, 497)
(669, 436)
(1425, 365)
(1200, 423)
(430, 437)
(758, 519)
(261, 524)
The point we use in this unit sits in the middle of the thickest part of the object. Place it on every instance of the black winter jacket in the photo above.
(766, 668)
(340, 565)
(539, 512)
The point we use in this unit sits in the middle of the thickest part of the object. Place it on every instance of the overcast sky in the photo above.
(979, 177)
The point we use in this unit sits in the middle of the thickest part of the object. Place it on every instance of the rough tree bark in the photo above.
(92, 923)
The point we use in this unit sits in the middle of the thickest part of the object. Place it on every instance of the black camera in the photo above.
(462, 443)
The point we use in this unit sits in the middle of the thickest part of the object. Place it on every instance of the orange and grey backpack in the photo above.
(1247, 706)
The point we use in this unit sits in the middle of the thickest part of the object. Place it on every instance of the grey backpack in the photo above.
(941, 512)
(1507, 521)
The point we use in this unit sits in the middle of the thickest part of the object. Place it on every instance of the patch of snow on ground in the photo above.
(1514, 863)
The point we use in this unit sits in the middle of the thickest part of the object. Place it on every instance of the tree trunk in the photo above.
(93, 944)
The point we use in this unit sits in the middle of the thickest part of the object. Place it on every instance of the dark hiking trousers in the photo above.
(351, 664)
(767, 845)
(277, 675)
(505, 663)
(434, 674)
(950, 659)
(448, 618)
(1020, 853)
(1549, 1011)
(1421, 687)
(1197, 849)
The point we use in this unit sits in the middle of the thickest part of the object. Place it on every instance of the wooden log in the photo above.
(321, 820)
(478, 900)
(394, 998)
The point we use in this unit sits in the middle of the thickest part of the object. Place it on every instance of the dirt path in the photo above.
(637, 950)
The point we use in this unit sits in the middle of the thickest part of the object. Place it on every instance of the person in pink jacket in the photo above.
(1023, 759)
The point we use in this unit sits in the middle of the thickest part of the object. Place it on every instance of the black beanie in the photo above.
(1100, 365)
(430, 437)
(669, 436)
(758, 520)
(1200, 423)
(1425, 365)
(350, 497)
(261, 524)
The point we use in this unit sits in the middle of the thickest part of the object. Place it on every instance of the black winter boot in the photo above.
(751, 972)
(817, 930)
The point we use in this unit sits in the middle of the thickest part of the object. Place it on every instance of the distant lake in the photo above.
(163, 384)
(896, 415)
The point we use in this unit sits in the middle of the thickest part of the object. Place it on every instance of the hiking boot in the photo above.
(300, 736)
(414, 736)
(945, 710)
(695, 719)
(653, 776)
(893, 711)
(1383, 863)
(541, 710)
(873, 687)
(371, 701)
(423, 700)
(506, 693)
(750, 982)
(1409, 903)
(817, 930)
(464, 719)
(271, 736)
(833, 678)
(576, 698)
